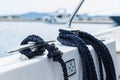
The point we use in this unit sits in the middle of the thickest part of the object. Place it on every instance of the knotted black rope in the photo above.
(103, 55)
(56, 54)
(53, 51)
(70, 39)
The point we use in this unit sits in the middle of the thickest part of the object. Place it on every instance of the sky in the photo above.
(89, 6)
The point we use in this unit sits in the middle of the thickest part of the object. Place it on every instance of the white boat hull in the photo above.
(42, 68)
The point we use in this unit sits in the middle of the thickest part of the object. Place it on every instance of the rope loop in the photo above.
(53, 51)
(104, 56)
(80, 39)
(30, 53)
(71, 39)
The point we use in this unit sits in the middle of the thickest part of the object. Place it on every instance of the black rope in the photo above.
(39, 50)
(53, 51)
(77, 32)
(70, 39)
(103, 55)
(101, 50)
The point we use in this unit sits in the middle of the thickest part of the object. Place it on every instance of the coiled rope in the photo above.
(70, 39)
(53, 51)
(67, 38)
(102, 53)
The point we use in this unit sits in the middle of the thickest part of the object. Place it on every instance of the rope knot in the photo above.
(54, 53)
(39, 47)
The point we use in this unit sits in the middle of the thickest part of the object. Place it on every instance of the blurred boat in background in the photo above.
(116, 19)
(58, 17)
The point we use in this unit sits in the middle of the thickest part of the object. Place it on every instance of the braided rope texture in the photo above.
(53, 51)
(28, 52)
(80, 40)
(102, 52)
(70, 39)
